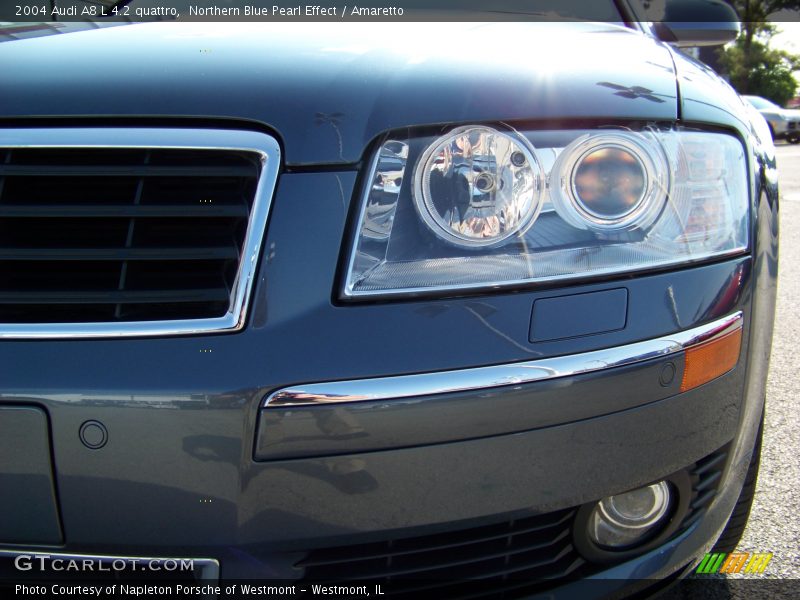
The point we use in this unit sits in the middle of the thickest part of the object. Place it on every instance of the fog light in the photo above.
(624, 520)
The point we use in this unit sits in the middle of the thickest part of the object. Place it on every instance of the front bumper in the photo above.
(785, 129)
(553, 445)
(291, 507)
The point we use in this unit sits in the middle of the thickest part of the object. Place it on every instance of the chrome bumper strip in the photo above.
(444, 382)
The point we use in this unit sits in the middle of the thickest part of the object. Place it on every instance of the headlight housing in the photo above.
(484, 207)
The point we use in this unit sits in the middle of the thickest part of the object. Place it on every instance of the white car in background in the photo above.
(783, 123)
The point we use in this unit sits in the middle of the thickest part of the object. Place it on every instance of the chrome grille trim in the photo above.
(263, 145)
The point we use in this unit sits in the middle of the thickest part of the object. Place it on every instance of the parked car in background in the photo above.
(784, 124)
(458, 309)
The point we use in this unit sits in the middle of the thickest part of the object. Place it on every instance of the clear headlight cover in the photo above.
(476, 187)
(482, 207)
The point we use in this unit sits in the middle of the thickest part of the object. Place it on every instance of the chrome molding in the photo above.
(443, 382)
(265, 146)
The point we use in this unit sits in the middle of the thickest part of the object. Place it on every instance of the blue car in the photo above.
(459, 309)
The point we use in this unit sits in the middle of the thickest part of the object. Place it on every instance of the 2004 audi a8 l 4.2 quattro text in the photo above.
(385, 303)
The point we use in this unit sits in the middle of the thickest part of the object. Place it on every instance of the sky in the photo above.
(788, 39)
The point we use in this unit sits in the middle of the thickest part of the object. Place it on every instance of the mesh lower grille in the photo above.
(118, 234)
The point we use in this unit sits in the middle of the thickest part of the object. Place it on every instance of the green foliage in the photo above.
(751, 65)
(760, 70)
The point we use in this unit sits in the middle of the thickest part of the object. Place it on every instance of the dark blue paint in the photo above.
(578, 314)
(328, 91)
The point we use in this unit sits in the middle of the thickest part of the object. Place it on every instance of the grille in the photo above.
(504, 559)
(118, 234)
(705, 475)
(508, 560)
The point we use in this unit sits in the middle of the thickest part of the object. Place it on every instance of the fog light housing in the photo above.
(625, 520)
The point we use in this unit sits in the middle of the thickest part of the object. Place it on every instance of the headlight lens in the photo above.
(610, 182)
(476, 187)
(485, 207)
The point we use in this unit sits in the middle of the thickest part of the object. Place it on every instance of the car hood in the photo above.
(327, 91)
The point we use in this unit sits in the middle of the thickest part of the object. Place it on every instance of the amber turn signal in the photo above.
(710, 360)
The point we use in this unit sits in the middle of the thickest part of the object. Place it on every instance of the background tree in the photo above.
(751, 65)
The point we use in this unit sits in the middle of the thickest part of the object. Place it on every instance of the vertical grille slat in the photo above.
(5, 158)
(123, 272)
(122, 234)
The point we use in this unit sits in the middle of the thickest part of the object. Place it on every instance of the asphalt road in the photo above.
(774, 524)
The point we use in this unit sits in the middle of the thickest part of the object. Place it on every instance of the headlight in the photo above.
(477, 187)
(487, 207)
(610, 182)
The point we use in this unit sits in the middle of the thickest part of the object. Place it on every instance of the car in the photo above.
(453, 309)
(783, 123)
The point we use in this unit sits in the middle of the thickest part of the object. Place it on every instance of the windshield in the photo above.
(761, 103)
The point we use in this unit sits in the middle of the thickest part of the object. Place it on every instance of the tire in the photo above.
(793, 138)
(733, 531)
